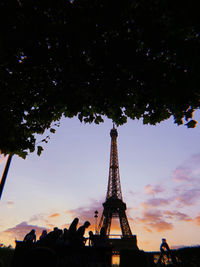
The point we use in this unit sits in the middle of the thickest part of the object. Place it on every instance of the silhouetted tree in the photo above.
(89, 58)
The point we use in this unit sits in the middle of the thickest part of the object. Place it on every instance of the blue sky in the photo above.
(159, 172)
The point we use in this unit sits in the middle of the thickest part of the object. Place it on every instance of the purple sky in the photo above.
(159, 172)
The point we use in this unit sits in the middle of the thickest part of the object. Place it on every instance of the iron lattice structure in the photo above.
(114, 207)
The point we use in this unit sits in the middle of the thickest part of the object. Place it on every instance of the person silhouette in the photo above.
(91, 239)
(43, 235)
(164, 250)
(30, 237)
(72, 232)
(81, 232)
(73, 226)
(65, 236)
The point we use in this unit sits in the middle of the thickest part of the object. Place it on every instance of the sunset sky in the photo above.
(160, 179)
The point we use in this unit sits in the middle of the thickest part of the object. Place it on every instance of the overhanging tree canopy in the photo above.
(89, 58)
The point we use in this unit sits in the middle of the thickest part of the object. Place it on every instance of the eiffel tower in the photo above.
(114, 207)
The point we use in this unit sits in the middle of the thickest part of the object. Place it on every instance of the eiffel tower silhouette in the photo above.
(114, 207)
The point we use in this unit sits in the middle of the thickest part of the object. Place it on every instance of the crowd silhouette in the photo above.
(73, 237)
(63, 247)
(67, 247)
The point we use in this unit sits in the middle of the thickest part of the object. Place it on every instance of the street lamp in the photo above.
(96, 216)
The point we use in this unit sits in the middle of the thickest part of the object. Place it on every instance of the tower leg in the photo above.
(126, 230)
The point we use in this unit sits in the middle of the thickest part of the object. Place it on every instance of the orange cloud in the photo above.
(197, 220)
(54, 215)
(147, 229)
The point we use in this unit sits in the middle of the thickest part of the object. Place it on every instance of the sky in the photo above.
(159, 173)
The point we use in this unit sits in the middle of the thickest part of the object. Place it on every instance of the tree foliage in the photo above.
(90, 58)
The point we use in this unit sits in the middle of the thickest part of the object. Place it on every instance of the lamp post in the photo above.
(96, 216)
(3, 179)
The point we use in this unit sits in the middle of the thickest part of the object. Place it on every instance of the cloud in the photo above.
(154, 219)
(182, 174)
(177, 215)
(197, 220)
(147, 229)
(188, 197)
(156, 202)
(161, 226)
(54, 215)
(45, 218)
(38, 217)
(87, 213)
(152, 190)
(10, 203)
(189, 170)
(20, 230)
(194, 159)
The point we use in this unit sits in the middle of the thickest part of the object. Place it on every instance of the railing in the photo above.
(114, 236)
(120, 236)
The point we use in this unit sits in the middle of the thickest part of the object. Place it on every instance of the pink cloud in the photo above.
(188, 197)
(20, 230)
(177, 215)
(182, 174)
(152, 190)
(149, 216)
(156, 202)
(161, 226)
(195, 159)
(155, 220)
(87, 213)
(188, 171)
